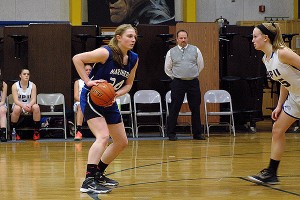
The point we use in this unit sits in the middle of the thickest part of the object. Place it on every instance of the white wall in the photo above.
(34, 10)
(242, 10)
(207, 10)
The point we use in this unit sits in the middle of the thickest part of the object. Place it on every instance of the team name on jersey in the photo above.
(273, 73)
(120, 72)
(24, 97)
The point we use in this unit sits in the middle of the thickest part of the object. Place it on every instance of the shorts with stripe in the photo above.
(292, 106)
(90, 110)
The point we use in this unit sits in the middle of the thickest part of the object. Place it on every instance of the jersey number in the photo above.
(118, 85)
(284, 83)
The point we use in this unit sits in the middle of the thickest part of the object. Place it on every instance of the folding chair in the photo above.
(147, 97)
(186, 113)
(126, 109)
(218, 97)
(9, 103)
(52, 100)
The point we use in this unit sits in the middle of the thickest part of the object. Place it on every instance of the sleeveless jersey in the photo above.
(24, 95)
(80, 85)
(287, 75)
(111, 73)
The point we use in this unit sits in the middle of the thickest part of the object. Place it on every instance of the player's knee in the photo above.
(123, 144)
(36, 108)
(17, 110)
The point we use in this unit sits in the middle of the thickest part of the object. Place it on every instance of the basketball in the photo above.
(102, 94)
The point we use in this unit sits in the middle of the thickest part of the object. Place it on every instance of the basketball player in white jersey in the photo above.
(78, 85)
(24, 95)
(3, 110)
(282, 65)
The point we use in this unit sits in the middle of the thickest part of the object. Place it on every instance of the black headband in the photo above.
(267, 32)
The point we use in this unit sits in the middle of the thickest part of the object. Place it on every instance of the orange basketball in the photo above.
(102, 94)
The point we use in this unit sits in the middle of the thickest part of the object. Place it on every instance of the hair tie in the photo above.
(267, 32)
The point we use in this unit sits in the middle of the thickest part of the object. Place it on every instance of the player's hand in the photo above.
(113, 101)
(91, 83)
(275, 113)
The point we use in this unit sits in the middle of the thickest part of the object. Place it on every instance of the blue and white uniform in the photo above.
(289, 77)
(80, 86)
(113, 74)
(23, 95)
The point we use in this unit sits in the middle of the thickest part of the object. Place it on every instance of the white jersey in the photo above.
(289, 77)
(24, 95)
(80, 86)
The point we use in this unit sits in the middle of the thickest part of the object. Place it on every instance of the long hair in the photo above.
(113, 43)
(278, 42)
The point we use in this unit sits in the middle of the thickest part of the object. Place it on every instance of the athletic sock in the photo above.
(13, 125)
(79, 128)
(91, 170)
(3, 130)
(273, 166)
(37, 125)
(101, 167)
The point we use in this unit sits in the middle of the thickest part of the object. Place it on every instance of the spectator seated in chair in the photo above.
(24, 95)
(77, 91)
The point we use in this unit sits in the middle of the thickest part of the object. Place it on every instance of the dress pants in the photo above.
(178, 89)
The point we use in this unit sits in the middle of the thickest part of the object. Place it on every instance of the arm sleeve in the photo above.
(168, 65)
(200, 61)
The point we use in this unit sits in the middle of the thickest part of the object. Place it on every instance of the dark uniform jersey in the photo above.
(114, 74)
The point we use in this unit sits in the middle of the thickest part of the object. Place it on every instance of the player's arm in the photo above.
(33, 95)
(14, 92)
(129, 82)
(282, 97)
(76, 90)
(95, 56)
(288, 56)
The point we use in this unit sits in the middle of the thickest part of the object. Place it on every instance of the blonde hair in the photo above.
(274, 28)
(113, 43)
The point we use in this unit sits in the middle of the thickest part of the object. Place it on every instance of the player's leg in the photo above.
(120, 142)
(79, 121)
(100, 130)
(3, 121)
(37, 121)
(280, 126)
(14, 118)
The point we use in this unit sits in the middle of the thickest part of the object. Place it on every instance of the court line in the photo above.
(194, 179)
(270, 186)
(185, 159)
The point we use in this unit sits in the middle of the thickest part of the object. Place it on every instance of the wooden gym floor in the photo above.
(152, 168)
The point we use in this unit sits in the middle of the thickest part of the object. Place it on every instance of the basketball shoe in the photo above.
(3, 137)
(36, 135)
(78, 136)
(90, 185)
(103, 180)
(265, 177)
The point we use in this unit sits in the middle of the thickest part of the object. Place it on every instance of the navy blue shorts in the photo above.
(90, 110)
